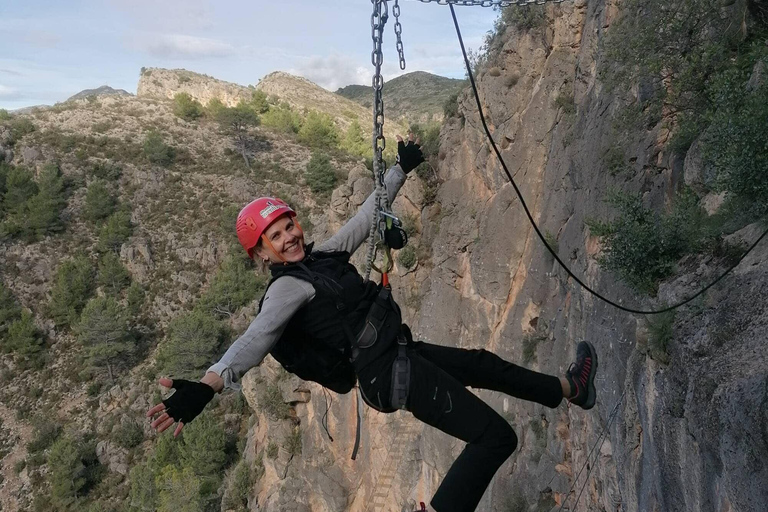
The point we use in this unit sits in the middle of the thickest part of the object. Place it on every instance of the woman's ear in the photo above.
(261, 253)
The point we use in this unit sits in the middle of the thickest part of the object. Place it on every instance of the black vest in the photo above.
(316, 342)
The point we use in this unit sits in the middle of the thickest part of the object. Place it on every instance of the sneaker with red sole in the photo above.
(581, 376)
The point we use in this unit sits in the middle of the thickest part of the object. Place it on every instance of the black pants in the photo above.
(438, 396)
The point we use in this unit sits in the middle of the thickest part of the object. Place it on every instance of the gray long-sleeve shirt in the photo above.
(289, 294)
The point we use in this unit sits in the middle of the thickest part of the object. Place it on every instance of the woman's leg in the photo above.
(485, 370)
(438, 399)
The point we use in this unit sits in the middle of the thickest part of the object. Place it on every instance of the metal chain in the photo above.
(398, 34)
(378, 20)
(491, 3)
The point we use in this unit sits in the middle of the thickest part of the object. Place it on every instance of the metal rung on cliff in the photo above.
(404, 438)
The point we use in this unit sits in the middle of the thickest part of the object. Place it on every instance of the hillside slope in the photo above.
(417, 97)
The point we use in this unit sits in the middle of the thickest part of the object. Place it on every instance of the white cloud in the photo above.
(179, 46)
(333, 71)
(9, 93)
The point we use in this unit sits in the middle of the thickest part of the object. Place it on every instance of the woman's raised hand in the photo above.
(189, 400)
(409, 155)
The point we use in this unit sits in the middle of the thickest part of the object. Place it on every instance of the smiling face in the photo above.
(286, 239)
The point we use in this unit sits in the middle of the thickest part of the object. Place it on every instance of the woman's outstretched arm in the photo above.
(356, 230)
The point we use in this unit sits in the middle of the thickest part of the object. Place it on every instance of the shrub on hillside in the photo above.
(524, 18)
(99, 202)
(282, 118)
(318, 130)
(178, 490)
(115, 231)
(73, 285)
(186, 107)
(20, 186)
(19, 127)
(157, 151)
(24, 339)
(33, 208)
(259, 102)
(10, 310)
(451, 106)
(234, 285)
(129, 434)
(5, 115)
(237, 122)
(73, 470)
(103, 332)
(214, 108)
(193, 342)
(355, 142)
(642, 246)
(321, 176)
(203, 450)
(113, 277)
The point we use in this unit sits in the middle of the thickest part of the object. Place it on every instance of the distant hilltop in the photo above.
(104, 90)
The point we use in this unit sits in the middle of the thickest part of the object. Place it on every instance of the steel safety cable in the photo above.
(536, 227)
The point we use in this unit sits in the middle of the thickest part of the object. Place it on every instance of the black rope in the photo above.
(538, 231)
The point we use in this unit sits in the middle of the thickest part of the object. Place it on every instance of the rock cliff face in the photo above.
(166, 83)
(688, 435)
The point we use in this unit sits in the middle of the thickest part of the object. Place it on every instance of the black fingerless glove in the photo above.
(409, 156)
(188, 401)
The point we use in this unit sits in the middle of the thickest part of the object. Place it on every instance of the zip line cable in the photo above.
(538, 231)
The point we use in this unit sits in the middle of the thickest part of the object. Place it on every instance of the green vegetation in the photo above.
(128, 434)
(24, 340)
(44, 433)
(699, 62)
(236, 497)
(530, 344)
(355, 142)
(157, 151)
(271, 401)
(10, 310)
(186, 107)
(642, 246)
(523, 18)
(234, 285)
(321, 176)
(282, 119)
(192, 344)
(31, 209)
(214, 108)
(73, 286)
(319, 131)
(236, 122)
(99, 202)
(73, 470)
(259, 102)
(113, 277)
(407, 257)
(292, 443)
(184, 473)
(19, 126)
(115, 231)
(660, 333)
(103, 332)
(5, 115)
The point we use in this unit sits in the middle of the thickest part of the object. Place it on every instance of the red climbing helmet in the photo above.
(256, 217)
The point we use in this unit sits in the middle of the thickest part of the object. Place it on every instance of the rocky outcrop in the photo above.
(166, 83)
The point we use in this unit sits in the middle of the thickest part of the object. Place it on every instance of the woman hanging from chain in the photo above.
(324, 323)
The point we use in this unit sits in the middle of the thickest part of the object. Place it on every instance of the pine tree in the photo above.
(178, 491)
(233, 286)
(115, 232)
(193, 342)
(99, 202)
(66, 472)
(9, 311)
(24, 339)
(73, 286)
(43, 211)
(113, 277)
(103, 331)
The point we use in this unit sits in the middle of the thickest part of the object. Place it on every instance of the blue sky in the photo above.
(50, 50)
